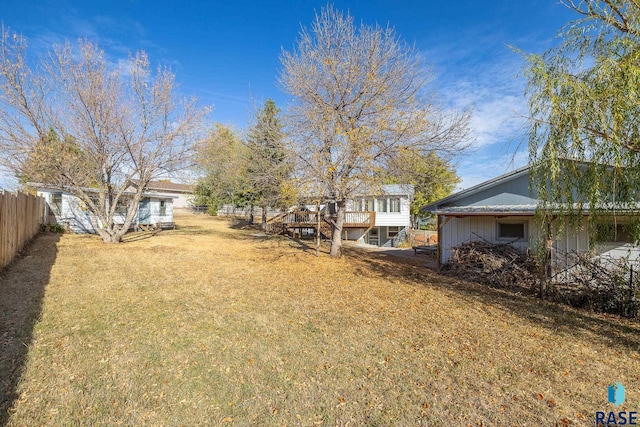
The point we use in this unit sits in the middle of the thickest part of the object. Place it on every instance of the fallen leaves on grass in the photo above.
(220, 325)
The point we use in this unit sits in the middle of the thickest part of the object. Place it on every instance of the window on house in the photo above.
(394, 205)
(368, 205)
(121, 207)
(55, 202)
(392, 232)
(95, 200)
(373, 236)
(381, 205)
(163, 208)
(511, 230)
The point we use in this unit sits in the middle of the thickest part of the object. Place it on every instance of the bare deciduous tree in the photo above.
(74, 120)
(359, 98)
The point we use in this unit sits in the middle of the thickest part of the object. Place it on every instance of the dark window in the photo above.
(392, 232)
(163, 208)
(394, 205)
(56, 203)
(619, 233)
(95, 200)
(511, 230)
(121, 207)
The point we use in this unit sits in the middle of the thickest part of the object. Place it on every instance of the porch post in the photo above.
(317, 228)
(439, 247)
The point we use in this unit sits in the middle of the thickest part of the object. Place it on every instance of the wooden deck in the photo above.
(297, 220)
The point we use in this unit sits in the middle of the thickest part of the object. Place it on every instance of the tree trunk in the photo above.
(264, 217)
(251, 214)
(338, 222)
(114, 233)
(110, 235)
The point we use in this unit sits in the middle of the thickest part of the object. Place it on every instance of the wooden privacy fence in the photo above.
(21, 216)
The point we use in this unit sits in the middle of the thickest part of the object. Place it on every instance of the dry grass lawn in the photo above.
(212, 325)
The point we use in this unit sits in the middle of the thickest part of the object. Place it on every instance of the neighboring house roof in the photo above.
(40, 186)
(389, 190)
(505, 194)
(384, 190)
(398, 190)
(168, 186)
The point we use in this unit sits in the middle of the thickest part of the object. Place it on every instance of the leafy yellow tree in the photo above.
(359, 97)
(221, 159)
(432, 176)
(74, 120)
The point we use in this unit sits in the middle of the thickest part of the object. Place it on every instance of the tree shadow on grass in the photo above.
(193, 230)
(139, 235)
(22, 288)
(243, 224)
(603, 329)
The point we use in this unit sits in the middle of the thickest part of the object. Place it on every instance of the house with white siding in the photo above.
(380, 218)
(69, 211)
(502, 210)
(392, 207)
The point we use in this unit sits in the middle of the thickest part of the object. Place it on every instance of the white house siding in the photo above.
(618, 250)
(386, 219)
(571, 240)
(73, 213)
(150, 212)
(182, 201)
(155, 210)
(402, 218)
(459, 230)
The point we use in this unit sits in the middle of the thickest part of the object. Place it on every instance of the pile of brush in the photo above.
(499, 265)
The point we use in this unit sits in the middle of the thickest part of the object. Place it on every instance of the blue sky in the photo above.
(227, 53)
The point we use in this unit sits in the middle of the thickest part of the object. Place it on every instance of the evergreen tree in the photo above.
(269, 164)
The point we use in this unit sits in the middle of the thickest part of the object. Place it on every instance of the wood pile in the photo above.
(580, 280)
(499, 265)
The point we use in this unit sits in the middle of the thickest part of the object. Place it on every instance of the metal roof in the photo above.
(435, 206)
(487, 210)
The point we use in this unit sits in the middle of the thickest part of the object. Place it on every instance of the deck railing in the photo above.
(310, 219)
(302, 217)
(360, 219)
